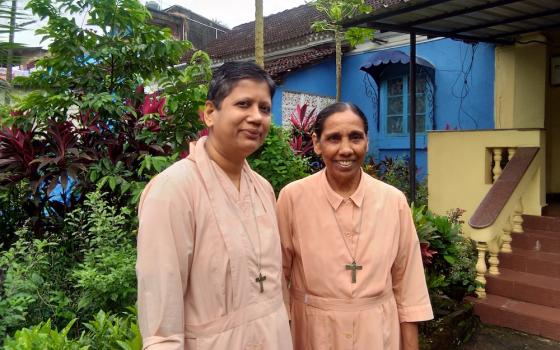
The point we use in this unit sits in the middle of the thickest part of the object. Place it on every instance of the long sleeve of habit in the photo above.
(165, 245)
(412, 305)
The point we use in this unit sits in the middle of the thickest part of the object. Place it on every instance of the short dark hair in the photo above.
(337, 108)
(225, 79)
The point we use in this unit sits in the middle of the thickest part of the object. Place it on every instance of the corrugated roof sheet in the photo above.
(498, 21)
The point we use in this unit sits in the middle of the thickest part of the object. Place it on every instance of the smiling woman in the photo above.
(350, 251)
(340, 138)
(238, 125)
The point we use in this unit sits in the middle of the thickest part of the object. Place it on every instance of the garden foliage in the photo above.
(449, 257)
(302, 123)
(105, 332)
(276, 161)
(394, 171)
(107, 110)
(70, 274)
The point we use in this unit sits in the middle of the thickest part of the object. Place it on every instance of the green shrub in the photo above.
(105, 332)
(106, 278)
(43, 337)
(87, 266)
(449, 257)
(108, 331)
(32, 290)
(276, 161)
(12, 212)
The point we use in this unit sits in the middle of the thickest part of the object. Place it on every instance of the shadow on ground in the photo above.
(497, 338)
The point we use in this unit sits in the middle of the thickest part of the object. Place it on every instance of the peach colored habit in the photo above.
(196, 266)
(327, 310)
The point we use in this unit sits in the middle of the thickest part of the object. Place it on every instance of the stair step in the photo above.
(549, 241)
(547, 223)
(527, 317)
(531, 261)
(525, 286)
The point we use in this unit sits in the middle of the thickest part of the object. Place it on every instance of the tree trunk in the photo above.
(10, 58)
(259, 33)
(338, 55)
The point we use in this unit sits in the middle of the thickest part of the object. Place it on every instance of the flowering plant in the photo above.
(302, 124)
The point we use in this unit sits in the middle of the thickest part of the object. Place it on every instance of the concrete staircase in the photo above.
(526, 294)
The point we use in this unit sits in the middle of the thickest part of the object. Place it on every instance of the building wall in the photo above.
(464, 90)
(167, 20)
(199, 30)
(521, 84)
(525, 96)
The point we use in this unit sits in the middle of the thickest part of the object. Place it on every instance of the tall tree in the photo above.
(12, 20)
(93, 119)
(336, 12)
(259, 33)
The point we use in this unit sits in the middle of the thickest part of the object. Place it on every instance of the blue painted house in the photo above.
(454, 88)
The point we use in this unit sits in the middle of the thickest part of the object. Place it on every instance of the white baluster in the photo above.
(493, 250)
(511, 152)
(517, 220)
(497, 170)
(481, 247)
(506, 237)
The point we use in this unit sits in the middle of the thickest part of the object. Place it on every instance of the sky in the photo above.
(232, 12)
(228, 12)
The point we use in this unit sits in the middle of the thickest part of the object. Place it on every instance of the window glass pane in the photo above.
(395, 87)
(420, 123)
(420, 103)
(395, 105)
(421, 83)
(395, 124)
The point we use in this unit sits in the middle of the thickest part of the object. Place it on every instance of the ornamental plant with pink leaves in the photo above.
(302, 121)
(302, 124)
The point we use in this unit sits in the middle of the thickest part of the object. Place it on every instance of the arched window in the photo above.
(390, 70)
(394, 106)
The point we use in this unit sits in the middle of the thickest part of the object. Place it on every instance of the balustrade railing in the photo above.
(500, 157)
(500, 212)
(496, 176)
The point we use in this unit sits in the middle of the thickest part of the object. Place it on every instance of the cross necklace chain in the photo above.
(260, 278)
(353, 267)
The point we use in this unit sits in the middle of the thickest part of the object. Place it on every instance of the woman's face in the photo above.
(239, 127)
(343, 145)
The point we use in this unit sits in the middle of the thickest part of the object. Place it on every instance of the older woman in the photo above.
(351, 255)
(209, 259)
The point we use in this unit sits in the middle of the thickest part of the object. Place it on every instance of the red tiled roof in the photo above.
(280, 27)
(285, 64)
(286, 25)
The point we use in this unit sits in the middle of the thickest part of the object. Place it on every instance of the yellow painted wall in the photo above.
(520, 84)
(459, 168)
(552, 122)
